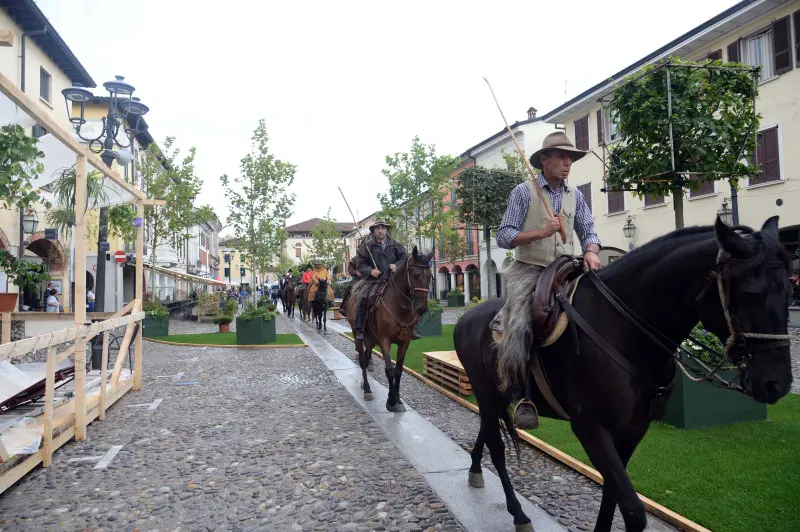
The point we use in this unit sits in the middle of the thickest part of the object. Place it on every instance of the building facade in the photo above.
(299, 244)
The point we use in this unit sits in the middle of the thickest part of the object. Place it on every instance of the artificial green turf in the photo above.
(227, 338)
(741, 478)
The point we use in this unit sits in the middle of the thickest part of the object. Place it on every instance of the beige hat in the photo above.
(556, 141)
(378, 222)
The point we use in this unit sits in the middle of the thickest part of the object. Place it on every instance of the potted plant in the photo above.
(694, 405)
(156, 321)
(455, 298)
(24, 274)
(223, 319)
(430, 323)
(256, 326)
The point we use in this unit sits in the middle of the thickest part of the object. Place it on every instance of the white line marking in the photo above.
(139, 405)
(86, 459)
(179, 376)
(155, 404)
(102, 464)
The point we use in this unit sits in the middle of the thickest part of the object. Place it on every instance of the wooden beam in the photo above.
(35, 111)
(6, 38)
(79, 297)
(138, 347)
(50, 388)
(6, 331)
(103, 364)
(123, 348)
(156, 202)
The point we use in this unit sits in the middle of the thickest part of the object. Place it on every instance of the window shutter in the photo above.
(586, 190)
(767, 157)
(616, 201)
(582, 133)
(796, 17)
(716, 55)
(653, 200)
(780, 43)
(600, 136)
(733, 52)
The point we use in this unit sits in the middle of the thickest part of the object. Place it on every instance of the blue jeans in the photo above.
(90, 307)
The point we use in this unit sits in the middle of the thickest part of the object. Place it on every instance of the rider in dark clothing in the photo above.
(376, 259)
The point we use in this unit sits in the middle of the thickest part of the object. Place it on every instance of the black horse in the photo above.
(320, 305)
(733, 280)
(288, 299)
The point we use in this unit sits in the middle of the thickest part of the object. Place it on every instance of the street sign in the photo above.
(51, 234)
(120, 256)
(105, 246)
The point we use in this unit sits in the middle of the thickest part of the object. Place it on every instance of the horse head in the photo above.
(417, 273)
(322, 291)
(746, 304)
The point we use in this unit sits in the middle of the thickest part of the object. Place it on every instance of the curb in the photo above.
(671, 517)
(279, 346)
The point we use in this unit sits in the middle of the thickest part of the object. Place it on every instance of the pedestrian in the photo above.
(52, 301)
(795, 282)
(90, 300)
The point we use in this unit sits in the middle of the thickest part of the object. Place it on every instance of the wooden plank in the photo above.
(50, 385)
(448, 357)
(79, 297)
(450, 370)
(6, 317)
(64, 354)
(138, 347)
(124, 345)
(154, 202)
(103, 376)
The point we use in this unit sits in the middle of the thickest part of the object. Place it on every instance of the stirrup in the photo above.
(526, 401)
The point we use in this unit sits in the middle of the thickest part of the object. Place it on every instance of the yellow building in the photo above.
(756, 32)
(233, 264)
(37, 60)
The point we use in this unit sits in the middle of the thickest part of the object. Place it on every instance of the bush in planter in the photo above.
(701, 404)
(23, 273)
(156, 320)
(455, 298)
(430, 323)
(255, 326)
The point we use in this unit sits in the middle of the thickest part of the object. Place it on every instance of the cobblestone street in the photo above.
(266, 440)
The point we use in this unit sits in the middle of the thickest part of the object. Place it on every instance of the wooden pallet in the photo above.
(445, 368)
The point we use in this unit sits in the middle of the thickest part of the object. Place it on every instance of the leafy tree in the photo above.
(259, 201)
(327, 243)
(452, 244)
(713, 128)
(19, 165)
(418, 186)
(166, 176)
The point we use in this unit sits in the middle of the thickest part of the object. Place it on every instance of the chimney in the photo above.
(531, 113)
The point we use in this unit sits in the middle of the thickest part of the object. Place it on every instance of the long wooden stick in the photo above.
(374, 264)
(532, 174)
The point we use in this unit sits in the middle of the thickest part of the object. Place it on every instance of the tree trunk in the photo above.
(488, 236)
(677, 198)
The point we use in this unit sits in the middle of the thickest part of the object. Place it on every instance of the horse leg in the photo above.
(363, 355)
(391, 401)
(398, 373)
(475, 472)
(603, 453)
(325, 319)
(490, 423)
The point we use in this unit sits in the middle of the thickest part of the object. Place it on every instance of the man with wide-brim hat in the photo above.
(376, 259)
(528, 228)
(320, 273)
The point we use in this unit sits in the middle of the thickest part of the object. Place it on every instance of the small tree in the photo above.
(683, 124)
(259, 202)
(327, 243)
(19, 166)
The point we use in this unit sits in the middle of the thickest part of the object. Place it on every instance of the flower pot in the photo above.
(455, 301)
(152, 327)
(255, 332)
(430, 324)
(224, 327)
(8, 302)
(694, 405)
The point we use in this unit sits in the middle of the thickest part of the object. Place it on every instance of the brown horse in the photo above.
(288, 299)
(403, 301)
(303, 303)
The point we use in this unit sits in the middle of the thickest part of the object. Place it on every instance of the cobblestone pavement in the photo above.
(451, 315)
(572, 499)
(268, 440)
(795, 349)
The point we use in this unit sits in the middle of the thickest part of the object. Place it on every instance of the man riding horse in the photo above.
(376, 259)
(529, 228)
(320, 273)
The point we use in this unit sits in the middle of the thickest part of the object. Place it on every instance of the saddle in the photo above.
(560, 276)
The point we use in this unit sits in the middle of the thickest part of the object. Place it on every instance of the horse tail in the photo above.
(509, 432)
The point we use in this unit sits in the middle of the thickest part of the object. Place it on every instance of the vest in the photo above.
(543, 252)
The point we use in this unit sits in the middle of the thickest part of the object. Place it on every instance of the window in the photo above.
(770, 49)
(716, 55)
(796, 17)
(616, 201)
(649, 201)
(757, 51)
(227, 272)
(297, 250)
(600, 126)
(582, 133)
(767, 157)
(45, 81)
(610, 122)
(243, 259)
(470, 249)
(586, 190)
(704, 189)
(781, 29)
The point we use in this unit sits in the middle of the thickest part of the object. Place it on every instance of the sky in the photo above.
(342, 85)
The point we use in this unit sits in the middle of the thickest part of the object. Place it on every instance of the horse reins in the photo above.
(411, 299)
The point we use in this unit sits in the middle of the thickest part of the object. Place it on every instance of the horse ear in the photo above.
(731, 241)
(771, 227)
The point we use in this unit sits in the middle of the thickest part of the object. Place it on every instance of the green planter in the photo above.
(155, 327)
(695, 405)
(430, 324)
(455, 301)
(255, 332)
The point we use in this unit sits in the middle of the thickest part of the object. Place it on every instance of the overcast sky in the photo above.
(343, 84)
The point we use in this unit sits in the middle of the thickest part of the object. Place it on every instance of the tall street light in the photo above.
(124, 111)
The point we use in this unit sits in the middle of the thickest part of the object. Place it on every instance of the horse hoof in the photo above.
(399, 407)
(524, 527)
(367, 396)
(475, 480)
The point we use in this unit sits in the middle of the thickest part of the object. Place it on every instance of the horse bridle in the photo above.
(413, 297)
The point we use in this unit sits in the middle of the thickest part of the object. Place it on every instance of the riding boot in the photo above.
(359, 326)
(526, 417)
(415, 334)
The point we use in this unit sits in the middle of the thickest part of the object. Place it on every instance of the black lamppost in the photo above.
(725, 213)
(125, 112)
(629, 230)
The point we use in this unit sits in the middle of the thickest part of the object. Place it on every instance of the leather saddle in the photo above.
(562, 275)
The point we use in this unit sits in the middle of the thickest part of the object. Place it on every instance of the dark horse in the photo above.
(288, 299)
(404, 300)
(303, 304)
(669, 284)
(320, 305)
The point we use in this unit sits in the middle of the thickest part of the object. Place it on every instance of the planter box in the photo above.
(255, 332)
(695, 405)
(430, 324)
(8, 302)
(455, 301)
(794, 316)
(155, 327)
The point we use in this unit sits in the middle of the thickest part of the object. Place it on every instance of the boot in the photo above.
(525, 415)
(359, 327)
(415, 334)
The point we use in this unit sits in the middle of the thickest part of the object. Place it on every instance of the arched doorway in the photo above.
(474, 281)
(459, 278)
(609, 255)
(445, 284)
(50, 254)
(493, 280)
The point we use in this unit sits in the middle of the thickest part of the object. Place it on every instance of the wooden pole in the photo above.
(79, 234)
(6, 317)
(137, 357)
(101, 409)
(49, 394)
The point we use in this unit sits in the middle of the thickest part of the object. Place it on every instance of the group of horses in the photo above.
(316, 310)
(618, 361)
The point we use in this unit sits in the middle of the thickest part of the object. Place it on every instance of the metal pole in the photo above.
(669, 115)
(102, 232)
(734, 203)
(20, 253)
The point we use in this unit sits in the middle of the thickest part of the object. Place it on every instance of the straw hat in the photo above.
(556, 141)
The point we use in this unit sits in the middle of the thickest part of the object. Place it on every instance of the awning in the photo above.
(186, 276)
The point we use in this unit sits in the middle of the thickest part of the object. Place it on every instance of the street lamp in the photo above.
(629, 230)
(725, 213)
(126, 112)
(30, 222)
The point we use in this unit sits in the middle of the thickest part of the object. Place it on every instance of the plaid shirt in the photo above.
(517, 209)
